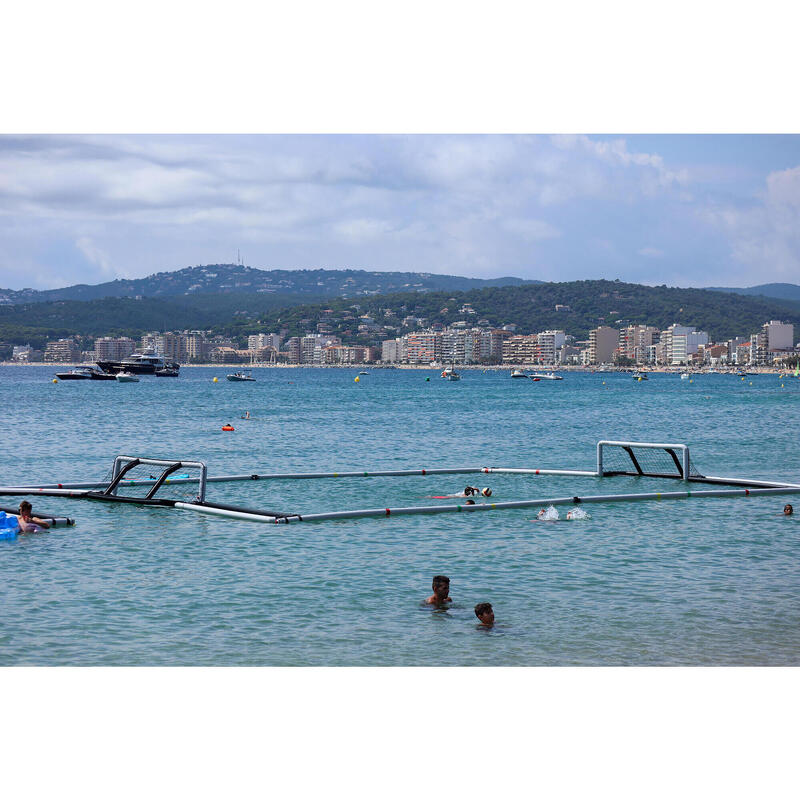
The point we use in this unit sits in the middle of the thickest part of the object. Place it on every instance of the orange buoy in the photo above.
(228, 428)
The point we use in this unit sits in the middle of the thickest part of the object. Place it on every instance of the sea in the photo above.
(698, 581)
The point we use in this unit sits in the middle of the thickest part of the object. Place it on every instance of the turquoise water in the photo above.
(711, 581)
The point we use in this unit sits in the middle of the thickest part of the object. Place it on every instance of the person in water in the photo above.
(27, 522)
(485, 613)
(441, 592)
(474, 490)
(788, 510)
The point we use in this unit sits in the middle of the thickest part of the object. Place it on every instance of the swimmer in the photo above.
(469, 491)
(246, 415)
(788, 510)
(485, 613)
(441, 592)
(28, 523)
(470, 502)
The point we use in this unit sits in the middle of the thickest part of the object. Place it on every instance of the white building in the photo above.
(780, 335)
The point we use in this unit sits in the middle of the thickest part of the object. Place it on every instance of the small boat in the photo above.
(78, 374)
(126, 377)
(167, 372)
(244, 375)
(546, 376)
(518, 373)
(639, 376)
(363, 372)
(450, 374)
(99, 375)
(684, 376)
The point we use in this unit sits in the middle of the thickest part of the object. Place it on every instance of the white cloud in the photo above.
(96, 256)
(764, 235)
(650, 252)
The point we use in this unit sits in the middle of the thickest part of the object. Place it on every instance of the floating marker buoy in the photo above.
(751, 383)
(691, 381)
(428, 379)
(357, 379)
(639, 379)
(228, 428)
(55, 380)
(604, 383)
(216, 380)
(781, 386)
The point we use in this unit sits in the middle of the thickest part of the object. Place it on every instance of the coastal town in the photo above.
(773, 346)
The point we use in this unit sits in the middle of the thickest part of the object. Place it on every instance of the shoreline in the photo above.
(461, 367)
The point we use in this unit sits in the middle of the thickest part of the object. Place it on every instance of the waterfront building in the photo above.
(63, 350)
(259, 340)
(423, 347)
(635, 342)
(779, 335)
(603, 342)
(109, 348)
(520, 349)
(547, 344)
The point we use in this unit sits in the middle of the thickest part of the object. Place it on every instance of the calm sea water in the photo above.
(714, 581)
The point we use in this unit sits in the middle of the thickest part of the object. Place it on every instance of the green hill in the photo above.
(531, 307)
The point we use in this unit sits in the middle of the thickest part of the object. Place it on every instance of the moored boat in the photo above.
(518, 373)
(546, 376)
(126, 377)
(144, 363)
(77, 374)
(243, 375)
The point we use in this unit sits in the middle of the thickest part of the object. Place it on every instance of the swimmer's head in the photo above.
(442, 582)
(487, 492)
(468, 490)
(25, 507)
(470, 502)
(485, 613)
(788, 510)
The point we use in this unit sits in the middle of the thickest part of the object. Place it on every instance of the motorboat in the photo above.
(167, 372)
(144, 363)
(640, 376)
(244, 375)
(546, 376)
(126, 377)
(453, 376)
(363, 372)
(78, 374)
(84, 374)
(685, 376)
(518, 373)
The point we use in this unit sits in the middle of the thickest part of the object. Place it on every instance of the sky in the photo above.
(681, 210)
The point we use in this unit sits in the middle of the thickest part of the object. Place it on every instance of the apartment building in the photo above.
(603, 342)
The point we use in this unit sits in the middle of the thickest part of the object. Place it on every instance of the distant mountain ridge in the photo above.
(780, 291)
(239, 279)
(576, 307)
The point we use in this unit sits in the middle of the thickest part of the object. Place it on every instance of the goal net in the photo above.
(153, 480)
(645, 459)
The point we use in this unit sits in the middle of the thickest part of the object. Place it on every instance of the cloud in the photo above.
(96, 256)
(764, 235)
(650, 252)
(476, 205)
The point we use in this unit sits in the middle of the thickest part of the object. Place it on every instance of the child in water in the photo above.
(485, 613)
